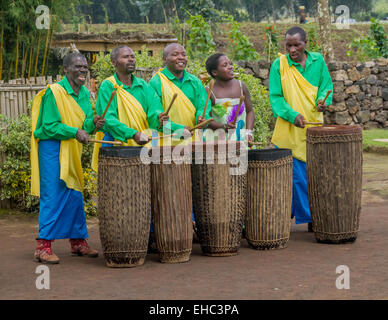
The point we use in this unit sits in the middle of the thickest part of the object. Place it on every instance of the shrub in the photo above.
(15, 172)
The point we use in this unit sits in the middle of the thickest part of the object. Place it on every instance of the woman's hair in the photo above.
(212, 63)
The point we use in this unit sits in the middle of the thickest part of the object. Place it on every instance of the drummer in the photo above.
(134, 110)
(173, 78)
(298, 83)
(225, 98)
(62, 119)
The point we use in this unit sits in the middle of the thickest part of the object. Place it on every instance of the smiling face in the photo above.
(77, 71)
(175, 58)
(125, 62)
(225, 70)
(295, 47)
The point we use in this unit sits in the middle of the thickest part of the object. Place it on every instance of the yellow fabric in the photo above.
(182, 112)
(70, 150)
(131, 113)
(301, 96)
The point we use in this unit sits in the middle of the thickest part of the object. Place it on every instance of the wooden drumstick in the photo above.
(242, 98)
(201, 124)
(208, 97)
(169, 107)
(118, 143)
(162, 137)
(327, 94)
(312, 123)
(106, 108)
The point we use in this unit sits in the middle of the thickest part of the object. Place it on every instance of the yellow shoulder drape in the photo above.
(70, 150)
(301, 96)
(131, 113)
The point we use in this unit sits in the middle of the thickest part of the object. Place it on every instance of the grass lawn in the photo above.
(374, 146)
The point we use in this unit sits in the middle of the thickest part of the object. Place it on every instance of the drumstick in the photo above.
(201, 124)
(327, 94)
(313, 123)
(118, 143)
(162, 137)
(208, 96)
(255, 143)
(242, 98)
(106, 108)
(169, 107)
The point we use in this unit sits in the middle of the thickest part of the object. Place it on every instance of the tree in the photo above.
(325, 29)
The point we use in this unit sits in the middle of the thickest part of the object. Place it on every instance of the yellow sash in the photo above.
(182, 112)
(70, 150)
(130, 113)
(301, 96)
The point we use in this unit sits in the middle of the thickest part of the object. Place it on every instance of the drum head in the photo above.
(268, 154)
(120, 152)
(333, 130)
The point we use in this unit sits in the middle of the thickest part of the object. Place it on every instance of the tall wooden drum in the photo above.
(219, 198)
(172, 204)
(334, 177)
(268, 219)
(124, 205)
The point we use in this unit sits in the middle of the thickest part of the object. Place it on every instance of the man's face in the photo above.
(77, 71)
(176, 59)
(295, 47)
(126, 61)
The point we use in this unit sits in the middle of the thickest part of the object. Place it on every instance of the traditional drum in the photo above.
(219, 198)
(172, 204)
(334, 180)
(124, 204)
(268, 218)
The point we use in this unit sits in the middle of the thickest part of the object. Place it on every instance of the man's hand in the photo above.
(82, 136)
(98, 122)
(229, 126)
(141, 138)
(321, 106)
(163, 117)
(299, 121)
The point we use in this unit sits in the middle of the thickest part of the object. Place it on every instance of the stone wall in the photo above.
(360, 91)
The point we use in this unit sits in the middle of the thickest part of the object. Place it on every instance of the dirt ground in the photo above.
(303, 270)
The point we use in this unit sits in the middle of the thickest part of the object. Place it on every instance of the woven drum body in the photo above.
(334, 177)
(124, 204)
(172, 205)
(268, 219)
(219, 200)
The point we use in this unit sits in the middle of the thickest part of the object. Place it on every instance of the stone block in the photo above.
(342, 118)
(352, 89)
(376, 103)
(372, 79)
(354, 75)
(363, 116)
(340, 75)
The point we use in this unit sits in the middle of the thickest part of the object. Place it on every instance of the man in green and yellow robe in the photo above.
(135, 110)
(62, 119)
(189, 105)
(298, 83)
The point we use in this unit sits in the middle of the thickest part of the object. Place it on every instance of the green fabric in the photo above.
(142, 93)
(191, 86)
(49, 124)
(315, 72)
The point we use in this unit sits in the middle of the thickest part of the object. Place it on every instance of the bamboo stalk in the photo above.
(117, 143)
(30, 63)
(1, 46)
(48, 49)
(17, 50)
(37, 56)
(45, 53)
(201, 124)
(25, 54)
